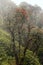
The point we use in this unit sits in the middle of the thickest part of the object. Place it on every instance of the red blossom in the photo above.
(23, 11)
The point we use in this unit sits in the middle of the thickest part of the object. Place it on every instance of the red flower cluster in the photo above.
(23, 11)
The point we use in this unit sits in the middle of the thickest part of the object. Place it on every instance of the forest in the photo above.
(21, 34)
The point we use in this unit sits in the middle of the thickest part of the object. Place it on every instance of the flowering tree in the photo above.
(15, 26)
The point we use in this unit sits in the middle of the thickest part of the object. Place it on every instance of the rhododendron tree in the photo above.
(15, 26)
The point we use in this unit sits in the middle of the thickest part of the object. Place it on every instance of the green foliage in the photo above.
(6, 57)
(30, 59)
(40, 55)
(3, 55)
(4, 37)
(4, 43)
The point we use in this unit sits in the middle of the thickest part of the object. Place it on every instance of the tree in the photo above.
(15, 22)
(15, 27)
